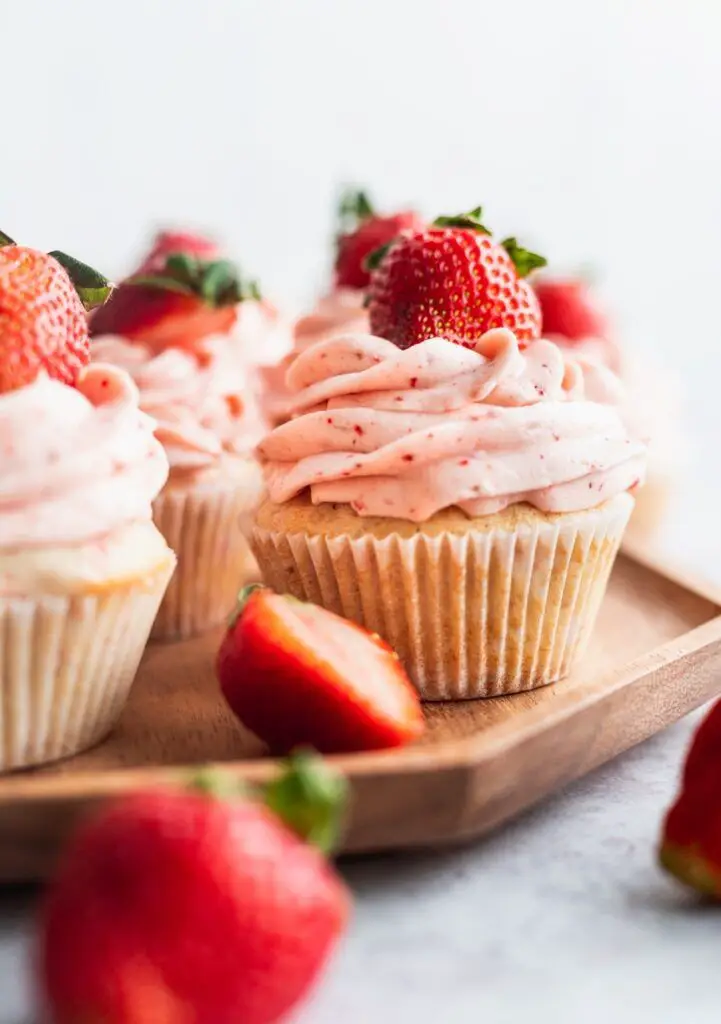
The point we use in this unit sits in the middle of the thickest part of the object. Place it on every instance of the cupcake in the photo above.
(457, 486)
(361, 232)
(171, 330)
(572, 317)
(82, 568)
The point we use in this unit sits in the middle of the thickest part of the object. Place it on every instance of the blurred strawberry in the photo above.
(452, 280)
(183, 907)
(691, 840)
(568, 309)
(166, 243)
(43, 321)
(362, 232)
(296, 674)
(186, 300)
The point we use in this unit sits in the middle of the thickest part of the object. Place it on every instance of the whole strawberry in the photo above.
(362, 232)
(452, 280)
(180, 907)
(691, 840)
(44, 298)
(568, 309)
(184, 301)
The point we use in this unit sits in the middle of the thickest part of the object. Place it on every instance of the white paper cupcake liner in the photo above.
(67, 664)
(475, 614)
(207, 530)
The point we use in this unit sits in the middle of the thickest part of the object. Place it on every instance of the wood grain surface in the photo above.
(656, 655)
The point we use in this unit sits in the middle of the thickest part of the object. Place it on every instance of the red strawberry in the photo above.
(187, 300)
(370, 231)
(452, 280)
(168, 242)
(568, 310)
(43, 320)
(691, 841)
(296, 674)
(177, 907)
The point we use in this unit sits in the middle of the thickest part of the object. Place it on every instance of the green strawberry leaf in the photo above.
(374, 259)
(471, 220)
(241, 602)
(183, 268)
(163, 283)
(524, 260)
(354, 207)
(6, 240)
(92, 288)
(310, 799)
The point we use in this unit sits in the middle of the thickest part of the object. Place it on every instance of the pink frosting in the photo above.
(406, 433)
(77, 462)
(341, 310)
(200, 401)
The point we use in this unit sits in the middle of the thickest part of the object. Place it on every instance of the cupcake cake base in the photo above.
(474, 607)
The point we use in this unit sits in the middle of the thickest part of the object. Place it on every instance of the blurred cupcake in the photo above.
(466, 501)
(170, 328)
(574, 319)
(361, 231)
(82, 568)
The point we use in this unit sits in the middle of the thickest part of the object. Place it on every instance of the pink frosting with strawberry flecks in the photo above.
(200, 400)
(77, 462)
(407, 433)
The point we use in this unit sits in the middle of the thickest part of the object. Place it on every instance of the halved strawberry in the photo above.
(452, 280)
(362, 232)
(187, 300)
(299, 675)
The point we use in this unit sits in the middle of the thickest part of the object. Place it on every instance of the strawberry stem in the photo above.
(354, 206)
(241, 602)
(309, 797)
(5, 240)
(470, 220)
(524, 260)
(93, 289)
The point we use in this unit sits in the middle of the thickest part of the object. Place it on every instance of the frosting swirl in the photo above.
(78, 463)
(341, 310)
(407, 433)
(199, 400)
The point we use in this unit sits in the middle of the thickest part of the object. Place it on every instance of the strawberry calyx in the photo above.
(354, 207)
(310, 798)
(523, 260)
(217, 282)
(376, 257)
(242, 600)
(93, 289)
(471, 220)
(307, 796)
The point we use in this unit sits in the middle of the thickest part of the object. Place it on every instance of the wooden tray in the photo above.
(655, 656)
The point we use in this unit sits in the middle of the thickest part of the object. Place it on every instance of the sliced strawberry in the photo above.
(452, 280)
(568, 310)
(187, 300)
(296, 675)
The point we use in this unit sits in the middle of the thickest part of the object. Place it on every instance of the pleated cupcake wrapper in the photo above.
(67, 665)
(470, 615)
(207, 531)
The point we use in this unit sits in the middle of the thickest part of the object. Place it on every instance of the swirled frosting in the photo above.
(77, 463)
(341, 310)
(406, 433)
(199, 400)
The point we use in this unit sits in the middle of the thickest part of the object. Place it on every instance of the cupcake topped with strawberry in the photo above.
(81, 564)
(452, 481)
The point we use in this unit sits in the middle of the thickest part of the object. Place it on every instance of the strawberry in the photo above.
(43, 321)
(180, 907)
(296, 674)
(691, 840)
(568, 310)
(452, 280)
(185, 301)
(362, 232)
(168, 242)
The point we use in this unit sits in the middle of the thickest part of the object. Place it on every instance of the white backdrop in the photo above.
(592, 130)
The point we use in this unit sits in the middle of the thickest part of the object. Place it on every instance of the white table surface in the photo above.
(560, 917)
